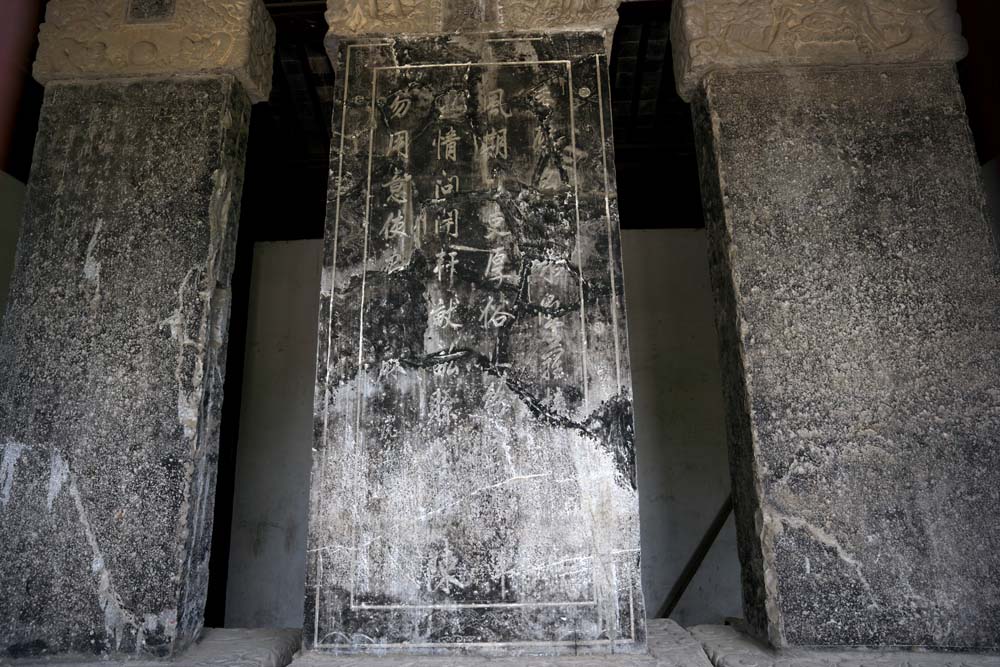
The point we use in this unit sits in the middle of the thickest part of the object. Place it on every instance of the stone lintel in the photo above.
(714, 34)
(354, 18)
(88, 39)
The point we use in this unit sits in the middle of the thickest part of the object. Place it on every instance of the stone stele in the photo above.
(473, 486)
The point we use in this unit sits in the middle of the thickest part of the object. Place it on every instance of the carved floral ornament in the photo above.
(370, 17)
(83, 39)
(710, 34)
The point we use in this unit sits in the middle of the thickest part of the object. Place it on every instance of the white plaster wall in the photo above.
(11, 202)
(682, 468)
(267, 555)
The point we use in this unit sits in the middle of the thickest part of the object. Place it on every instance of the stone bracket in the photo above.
(84, 39)
(351, 18)
(712, 34)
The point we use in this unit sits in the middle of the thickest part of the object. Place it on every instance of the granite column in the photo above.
(858, 300)
(112, 351)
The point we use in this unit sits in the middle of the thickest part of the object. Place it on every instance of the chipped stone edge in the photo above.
(91, 40)
(756, 551)
(719, 34)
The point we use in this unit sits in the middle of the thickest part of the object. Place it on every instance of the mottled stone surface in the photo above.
(216, 647)
(727, 646)
(473, 486)
(669, 645)
(859, 313)
(111, 366)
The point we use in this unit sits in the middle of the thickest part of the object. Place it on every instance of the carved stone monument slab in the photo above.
(858, 300)
(112, 351)
(473, 487)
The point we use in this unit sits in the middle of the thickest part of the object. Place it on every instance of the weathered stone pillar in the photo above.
(113, 346)
(859, 309)
(473, 484)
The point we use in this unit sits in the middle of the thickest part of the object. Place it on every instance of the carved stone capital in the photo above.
(711, 34)
(85, 39)
(349, 18)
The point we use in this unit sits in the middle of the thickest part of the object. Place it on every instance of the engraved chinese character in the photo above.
(552, 355)
(395, 226)
(419, 228)
(495, 144)
(394, 263)
(495, 225)
(550, 303)
(447, 145)
(443, 316)
(399, 106)
(390, 367)
(495, 264)
(399, 144)
(440, 411)
(447, 368)
(448, 222)
(446, 263)
(446, 185)
(495, 105)
(543, 96)
(451, 105)
(493, 315)
(399, 188)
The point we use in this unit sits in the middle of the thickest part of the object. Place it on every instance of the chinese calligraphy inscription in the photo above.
(473, 484)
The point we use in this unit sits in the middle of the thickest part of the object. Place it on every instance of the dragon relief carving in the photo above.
(746, 33)
(95, 38)
(358, 17)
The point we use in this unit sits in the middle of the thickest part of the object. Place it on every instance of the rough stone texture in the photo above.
(473, 483)
(216, 647)
(669, 644)
(83, 39)
(111, 364)
(728, 647)
(723, 34)
(858, 300)
(351, 18)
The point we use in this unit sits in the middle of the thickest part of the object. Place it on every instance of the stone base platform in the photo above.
(218, 647)
(670, 645)
(727, 646)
